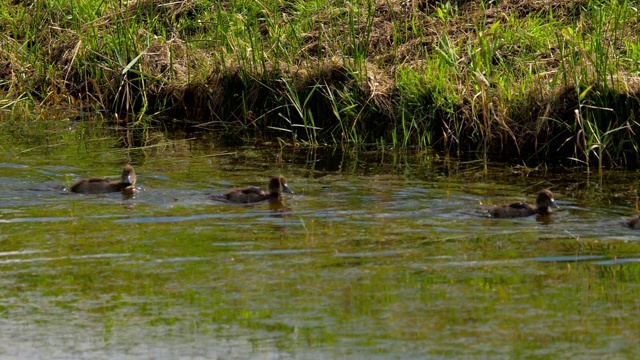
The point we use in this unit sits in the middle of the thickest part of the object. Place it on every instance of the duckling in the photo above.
(634, 223)
(251, 194)
(97, 185)
(544, 202)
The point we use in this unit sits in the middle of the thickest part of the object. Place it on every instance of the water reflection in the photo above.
(575, 258)
(377, 254)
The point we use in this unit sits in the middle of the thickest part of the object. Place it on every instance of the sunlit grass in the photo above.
(486, 77)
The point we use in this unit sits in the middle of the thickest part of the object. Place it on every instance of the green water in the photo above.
(377, 255)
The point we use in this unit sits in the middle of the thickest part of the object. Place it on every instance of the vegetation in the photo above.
(527, 78)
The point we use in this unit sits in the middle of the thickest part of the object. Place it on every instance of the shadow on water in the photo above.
(378, 254)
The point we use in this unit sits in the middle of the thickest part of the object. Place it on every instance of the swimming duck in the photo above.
(97, 185)
(544, 202)
(634, 223)
(250, 194)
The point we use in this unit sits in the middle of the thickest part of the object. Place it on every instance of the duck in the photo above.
(252, 194)
(96, 185)
(634, 223)
(543, 205)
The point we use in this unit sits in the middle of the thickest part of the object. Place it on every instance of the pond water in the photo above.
(377, 255)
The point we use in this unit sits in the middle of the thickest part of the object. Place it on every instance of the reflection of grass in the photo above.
(317, 299)
(415, 285)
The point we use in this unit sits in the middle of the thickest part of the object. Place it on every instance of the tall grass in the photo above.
(493, 78)
(604, 127)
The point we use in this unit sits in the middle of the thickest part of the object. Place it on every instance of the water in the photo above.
(377, 255)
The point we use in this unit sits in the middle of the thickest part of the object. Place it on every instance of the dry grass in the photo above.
(502, 75)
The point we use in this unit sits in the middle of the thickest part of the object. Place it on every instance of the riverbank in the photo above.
(530, 79)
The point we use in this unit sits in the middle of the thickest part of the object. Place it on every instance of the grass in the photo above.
(497, 78)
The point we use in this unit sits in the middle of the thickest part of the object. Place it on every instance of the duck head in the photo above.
(278, 184)
(128, 175)
(545, 200)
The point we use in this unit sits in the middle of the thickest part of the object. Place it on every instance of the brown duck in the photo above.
(634, 223)
(544, 202)
(251, 194)
(97, 185)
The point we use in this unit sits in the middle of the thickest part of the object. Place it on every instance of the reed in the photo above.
(492, 78)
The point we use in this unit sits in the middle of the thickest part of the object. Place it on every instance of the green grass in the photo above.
(494, 77)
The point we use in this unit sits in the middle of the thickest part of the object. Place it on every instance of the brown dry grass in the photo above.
(211, 85)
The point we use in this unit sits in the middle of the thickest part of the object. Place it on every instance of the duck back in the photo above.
(513, 210)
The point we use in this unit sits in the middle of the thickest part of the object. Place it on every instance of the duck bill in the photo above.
(554, 205)
(287, 189)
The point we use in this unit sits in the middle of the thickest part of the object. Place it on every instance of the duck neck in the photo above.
(543, 210)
